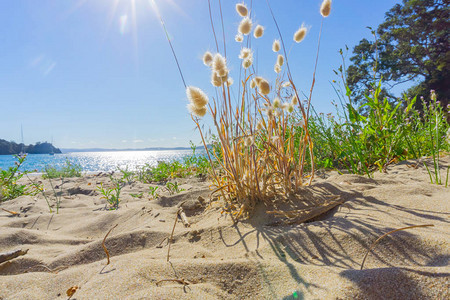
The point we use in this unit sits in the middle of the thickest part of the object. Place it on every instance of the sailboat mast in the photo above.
(22, 151)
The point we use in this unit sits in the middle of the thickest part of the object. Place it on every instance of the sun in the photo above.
(121, 16)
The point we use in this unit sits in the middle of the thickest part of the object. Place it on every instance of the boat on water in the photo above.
(22, 151)
(52, 152)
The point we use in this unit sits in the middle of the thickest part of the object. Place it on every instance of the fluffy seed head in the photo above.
(276, 46)
(215, 79)
(264, 86)
(300, 34)
(247, 62)
(325, 8)
(286, 84)
(245, 26)
(219, 65)
(294, 100)
(196, 96)
(277, 68)
(253, 83)
(245, 53)
(290, 108)
(239, 37)
(259, 31)
(198, 111)
(230, 81)
(207, 58)
(258, 79)
(280, 59)
(276, 103)
(241, 9)
(224, 78)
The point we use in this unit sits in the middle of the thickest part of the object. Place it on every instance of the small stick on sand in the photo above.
(11, 255)
(55, 270)
(386, 234)
(183, 218)
(160, 244)
(180, 281)
(171, 235)
(103, 244)
(11, 212)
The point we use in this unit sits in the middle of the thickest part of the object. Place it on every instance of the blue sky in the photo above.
(99, 73)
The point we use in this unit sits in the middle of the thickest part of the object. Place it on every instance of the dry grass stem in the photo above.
(11, 212)
(54, 271)
(103, 244)
(171, 235)
(386, 234)
(180, 281)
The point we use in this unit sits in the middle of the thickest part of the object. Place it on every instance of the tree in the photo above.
(410, 45)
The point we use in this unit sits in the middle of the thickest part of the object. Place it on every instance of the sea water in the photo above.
(97, 161)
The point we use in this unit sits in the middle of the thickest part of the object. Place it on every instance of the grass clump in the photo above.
(127, 176)
(112, 195)
(261, 152)
(68, 170)
(368, 137)
(173, 188)
(192, 165)
(153, 192)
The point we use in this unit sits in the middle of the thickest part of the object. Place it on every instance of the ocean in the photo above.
(97, 161)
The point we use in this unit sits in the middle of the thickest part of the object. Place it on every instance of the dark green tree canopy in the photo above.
(411, 44)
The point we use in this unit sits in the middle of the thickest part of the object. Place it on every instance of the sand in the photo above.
(263, 257)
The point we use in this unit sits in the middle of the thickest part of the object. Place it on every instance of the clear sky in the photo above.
(99, 73)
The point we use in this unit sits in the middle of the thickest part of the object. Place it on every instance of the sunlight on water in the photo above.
(97, 161)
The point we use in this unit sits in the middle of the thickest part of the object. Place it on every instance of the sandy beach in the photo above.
(267, 256)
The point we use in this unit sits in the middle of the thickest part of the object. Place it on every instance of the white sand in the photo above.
(259, 258)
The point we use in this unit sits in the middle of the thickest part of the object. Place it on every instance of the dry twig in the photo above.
(171, 235)
(183, 217)
(160, 243)
(386, 234)
(180, 281)
(11, 255)
(103, 243)
(11, 212)
(54, 271)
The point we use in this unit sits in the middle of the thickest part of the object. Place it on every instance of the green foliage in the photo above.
(138, 195)
(173, 188)
(153, 192)
(411, 44)
(127, 176)
(432, 136)
(387, 132)
(112, 195)
(192, 165)
(9, 188)
(68, 170)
